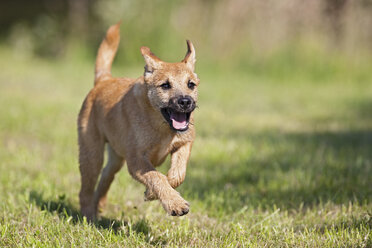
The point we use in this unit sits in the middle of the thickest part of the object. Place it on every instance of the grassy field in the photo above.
(283, 158)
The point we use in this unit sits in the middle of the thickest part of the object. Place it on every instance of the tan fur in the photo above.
(125, 114)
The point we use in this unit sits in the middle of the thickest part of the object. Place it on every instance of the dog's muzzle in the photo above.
(178, 112)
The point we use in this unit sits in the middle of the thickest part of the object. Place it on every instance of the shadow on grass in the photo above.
(65, 210)
(298, 169)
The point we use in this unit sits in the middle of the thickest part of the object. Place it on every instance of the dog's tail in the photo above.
(106, 53)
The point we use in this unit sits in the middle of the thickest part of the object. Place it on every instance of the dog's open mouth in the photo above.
(178, 121)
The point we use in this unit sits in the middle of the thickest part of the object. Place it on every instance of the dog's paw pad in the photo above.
(185, 211)
(176, 206)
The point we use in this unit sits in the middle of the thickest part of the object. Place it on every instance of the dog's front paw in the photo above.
(150, 195)
(175, 205)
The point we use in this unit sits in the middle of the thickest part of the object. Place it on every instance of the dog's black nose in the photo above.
(185, 102)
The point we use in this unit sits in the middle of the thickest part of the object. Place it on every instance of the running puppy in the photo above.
(142, 121)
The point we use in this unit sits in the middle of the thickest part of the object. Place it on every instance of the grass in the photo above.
(278, 161)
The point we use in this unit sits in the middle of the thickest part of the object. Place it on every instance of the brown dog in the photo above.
(142, 121)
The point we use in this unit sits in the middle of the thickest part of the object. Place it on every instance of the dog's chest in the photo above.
(162, 149)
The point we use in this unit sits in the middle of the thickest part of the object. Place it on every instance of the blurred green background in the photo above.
(260, 37)
(283, 154)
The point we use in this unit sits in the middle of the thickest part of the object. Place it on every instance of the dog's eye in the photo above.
(191, 85)
(166, 86)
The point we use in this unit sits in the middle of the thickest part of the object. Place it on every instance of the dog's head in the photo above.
(172, 87)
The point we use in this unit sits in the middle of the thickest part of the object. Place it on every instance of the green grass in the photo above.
(282, 160)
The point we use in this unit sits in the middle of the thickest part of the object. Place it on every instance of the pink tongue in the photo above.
(178, 120)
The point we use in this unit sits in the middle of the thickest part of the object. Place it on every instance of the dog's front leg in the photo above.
(177, 172)
(142, 170)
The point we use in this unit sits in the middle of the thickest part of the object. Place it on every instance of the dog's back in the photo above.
(104, 98)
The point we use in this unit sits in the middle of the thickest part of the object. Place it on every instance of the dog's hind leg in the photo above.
(91, 150)
(114, 164)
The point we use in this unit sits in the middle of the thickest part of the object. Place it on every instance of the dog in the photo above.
(140, 121)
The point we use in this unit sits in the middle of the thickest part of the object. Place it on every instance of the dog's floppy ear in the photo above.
(152, 62)
(190, 59)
